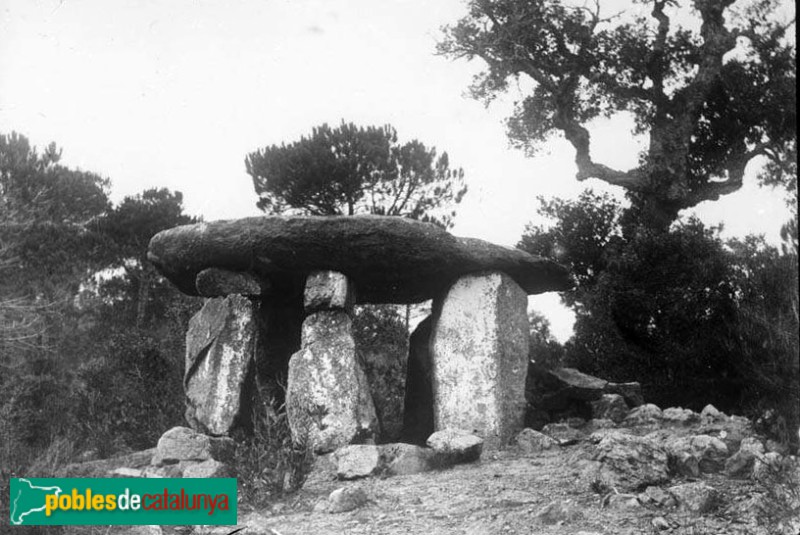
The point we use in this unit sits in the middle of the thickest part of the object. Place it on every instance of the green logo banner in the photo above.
(122, 501)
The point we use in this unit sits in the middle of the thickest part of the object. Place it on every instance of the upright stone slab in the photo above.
(479, 346)
(328, 402)
(418, 403)
(220, 344)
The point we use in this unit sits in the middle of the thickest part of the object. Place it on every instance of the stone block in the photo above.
(327, 400)
(328, 290)
(220, 344)
(479, 346)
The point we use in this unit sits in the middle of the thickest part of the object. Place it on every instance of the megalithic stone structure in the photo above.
(479, 350)
(473, 361)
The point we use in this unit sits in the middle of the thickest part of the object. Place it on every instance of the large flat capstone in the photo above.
(390, 259)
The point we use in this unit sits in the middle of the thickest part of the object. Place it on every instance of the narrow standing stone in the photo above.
(480, 355)
(328, 402)
(220, 344)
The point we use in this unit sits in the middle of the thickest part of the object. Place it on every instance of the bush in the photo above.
(269, 464)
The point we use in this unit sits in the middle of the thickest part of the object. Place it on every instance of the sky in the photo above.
(176, 93)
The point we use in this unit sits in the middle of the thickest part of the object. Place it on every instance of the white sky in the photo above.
(175, 93)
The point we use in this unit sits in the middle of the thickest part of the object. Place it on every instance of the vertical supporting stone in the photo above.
(479, 347)
(418, 404)
(328, 401)
(220, 344)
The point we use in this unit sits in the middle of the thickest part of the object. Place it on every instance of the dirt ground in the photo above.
(503, 493)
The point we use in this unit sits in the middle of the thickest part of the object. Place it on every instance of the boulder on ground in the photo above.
(400, 459)
(455, 446)
(680, 416)
(628, 462)
(741, 463)
(558, 512)
(184, 444)
(390, 259)
(710, 452)
(647, 414)
(357, 461)
(695, 497)
(346, 499)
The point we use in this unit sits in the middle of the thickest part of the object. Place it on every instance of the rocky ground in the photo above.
(670, 472)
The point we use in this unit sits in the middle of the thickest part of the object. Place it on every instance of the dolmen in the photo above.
(280, 295)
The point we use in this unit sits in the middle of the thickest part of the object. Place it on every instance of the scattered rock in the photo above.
(357, 461)
(220, 344)
(611, 407)
(529, 441)
(456, 446)
(685, 464)
(621, 501)
(328, 290)
(680, 416)
(695, 497)
(628, 462)
(479, 345)
(710, 452)
(711, 414)
(768, 465)
(600, 423)
(406, 459)
(561, 511)
(184, 444)
(660, 523)
(647, 414)
(346, 499)
(657, 496)
(390, 259)
(563, 433)
(741, 463)
(328, 402)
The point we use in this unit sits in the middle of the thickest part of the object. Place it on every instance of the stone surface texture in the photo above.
(479, 345)
(629, 462)
(390, 259)
(184, 444)
(357, 461)
(221, 342)
(328, 290)
(327, 400)
(215, 282)
(529, 441)
(611, 407)
(454, 446)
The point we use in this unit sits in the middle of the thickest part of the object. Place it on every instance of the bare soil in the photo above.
(503, 494)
